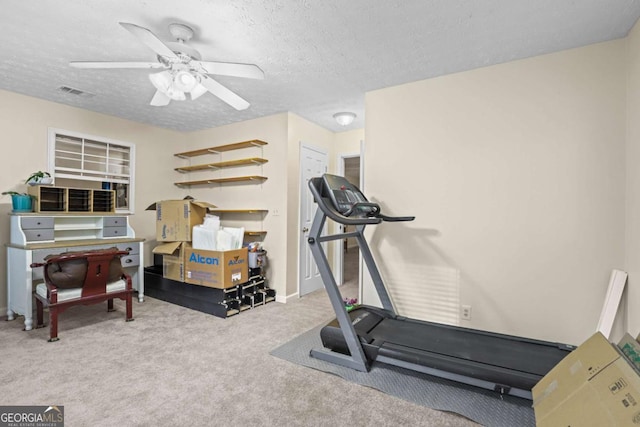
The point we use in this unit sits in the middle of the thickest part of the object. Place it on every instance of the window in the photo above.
(86, 161)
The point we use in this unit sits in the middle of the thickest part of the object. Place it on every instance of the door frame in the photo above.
(302, 187)
(338, 255)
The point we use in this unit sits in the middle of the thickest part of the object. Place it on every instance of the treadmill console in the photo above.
(344, 196)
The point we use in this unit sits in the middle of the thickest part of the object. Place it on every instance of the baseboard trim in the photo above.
(286, 298)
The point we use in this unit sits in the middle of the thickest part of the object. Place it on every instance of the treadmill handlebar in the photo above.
(396, 218)
(372, 217)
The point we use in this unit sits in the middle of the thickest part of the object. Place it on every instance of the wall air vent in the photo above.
(73, 91)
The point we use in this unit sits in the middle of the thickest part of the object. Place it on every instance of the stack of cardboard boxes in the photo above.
(214, 282)
(175, 220)
(597, 384)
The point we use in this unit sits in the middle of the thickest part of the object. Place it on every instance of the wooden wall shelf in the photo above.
(222, 180)
(218, 150)
(220, 165)
(221, 148)
(238, 211)
(255, 233)
(243, 211)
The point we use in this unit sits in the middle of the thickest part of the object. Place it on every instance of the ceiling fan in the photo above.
(184, 72)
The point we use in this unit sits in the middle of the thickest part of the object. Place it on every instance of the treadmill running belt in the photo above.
(503, 351)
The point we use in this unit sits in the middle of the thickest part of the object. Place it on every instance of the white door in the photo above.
(313, 163)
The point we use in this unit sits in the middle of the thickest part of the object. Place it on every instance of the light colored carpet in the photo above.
(175, 366)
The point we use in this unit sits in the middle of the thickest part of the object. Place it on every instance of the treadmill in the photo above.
(356, 339)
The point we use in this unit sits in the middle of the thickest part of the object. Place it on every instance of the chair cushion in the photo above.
(74, 293)
(72, 273)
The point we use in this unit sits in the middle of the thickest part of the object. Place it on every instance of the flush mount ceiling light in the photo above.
(344, 118)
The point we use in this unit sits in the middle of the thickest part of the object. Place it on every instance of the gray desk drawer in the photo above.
(115, 221)
(31, 222)
(130, 261)
(36, 235)
(114, 231)
(133, 248)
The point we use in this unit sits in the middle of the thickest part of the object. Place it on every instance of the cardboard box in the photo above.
(176, 218)
(172, 259)
(216, 269)
(593, 386)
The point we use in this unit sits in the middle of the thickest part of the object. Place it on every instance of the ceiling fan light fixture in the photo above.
(176, 95)
(161, 81)
(344, 118)
(198, 91)
(185, 81)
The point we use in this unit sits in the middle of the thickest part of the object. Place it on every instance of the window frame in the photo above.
(123, 178)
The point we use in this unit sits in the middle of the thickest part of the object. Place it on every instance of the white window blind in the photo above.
(95, 161)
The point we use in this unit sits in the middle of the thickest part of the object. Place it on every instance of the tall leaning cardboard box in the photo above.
(175, 219)
(594, 385)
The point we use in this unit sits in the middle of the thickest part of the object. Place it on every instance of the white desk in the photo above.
(34, 236)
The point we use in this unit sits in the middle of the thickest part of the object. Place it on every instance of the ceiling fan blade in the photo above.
(223, 93)
(249, 71)
(160, 99)
(113, 64)
(150, 39)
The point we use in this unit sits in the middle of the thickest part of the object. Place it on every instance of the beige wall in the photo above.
(348, 142)
(632, 246)
(270, 195)
(24, 122)
(516, 176)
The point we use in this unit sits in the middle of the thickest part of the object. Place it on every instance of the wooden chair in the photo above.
(95, 287)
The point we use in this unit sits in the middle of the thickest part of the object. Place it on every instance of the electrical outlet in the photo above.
(275, 212)
(465, 312)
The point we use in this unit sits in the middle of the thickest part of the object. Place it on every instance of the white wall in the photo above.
(516, 176)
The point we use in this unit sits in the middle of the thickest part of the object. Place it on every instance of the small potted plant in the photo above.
(39, 178)
(21, 202)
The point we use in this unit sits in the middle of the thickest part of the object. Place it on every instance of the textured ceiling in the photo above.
(319, 57)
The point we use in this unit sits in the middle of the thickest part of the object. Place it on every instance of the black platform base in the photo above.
(218, 302)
